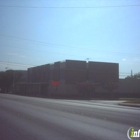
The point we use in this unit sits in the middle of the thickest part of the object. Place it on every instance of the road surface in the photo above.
(30, 118)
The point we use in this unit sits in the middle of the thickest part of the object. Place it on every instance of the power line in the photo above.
(25, 65)
(65, 45)
(7, 62)
(69, 7)
(68, 54)
(16, 64)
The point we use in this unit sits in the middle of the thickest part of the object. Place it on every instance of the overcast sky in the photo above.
(36, 32)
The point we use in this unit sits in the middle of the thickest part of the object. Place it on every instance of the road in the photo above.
(30, 118)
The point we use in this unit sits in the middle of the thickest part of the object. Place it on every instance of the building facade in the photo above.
(69, 78)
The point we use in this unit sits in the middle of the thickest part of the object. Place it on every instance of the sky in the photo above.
(37, 32)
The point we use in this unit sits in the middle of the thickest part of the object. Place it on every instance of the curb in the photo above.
(129, 104)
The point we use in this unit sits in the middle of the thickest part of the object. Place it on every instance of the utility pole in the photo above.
(132, 81)
(14, 80)
(14, 74)
(131, 73)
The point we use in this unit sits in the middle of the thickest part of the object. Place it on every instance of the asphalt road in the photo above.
(29, 118)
